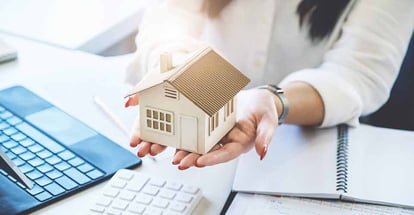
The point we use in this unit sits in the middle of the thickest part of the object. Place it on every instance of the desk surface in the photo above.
(70, 79)
(91, 26)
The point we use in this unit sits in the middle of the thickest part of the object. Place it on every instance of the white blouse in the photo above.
(353, 69)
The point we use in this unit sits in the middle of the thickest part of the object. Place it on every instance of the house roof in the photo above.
(206, 79)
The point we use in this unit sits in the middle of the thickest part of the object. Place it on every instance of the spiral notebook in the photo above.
(365, 164)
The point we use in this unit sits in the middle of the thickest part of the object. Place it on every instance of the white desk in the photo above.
(91, 26)
(70, 79)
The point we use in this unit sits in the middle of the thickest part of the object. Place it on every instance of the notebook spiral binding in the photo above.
(342, 159)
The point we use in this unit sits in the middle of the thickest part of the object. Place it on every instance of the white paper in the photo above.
(252, 204)
(298, 162)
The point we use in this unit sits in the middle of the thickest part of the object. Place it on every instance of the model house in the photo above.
(191, 106)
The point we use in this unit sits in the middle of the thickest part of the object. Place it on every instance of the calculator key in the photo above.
(104, 201)
(77, 176)
(167, 194)
(184, 198)
(127, 195)
(137, 183)
(136, 209)
(66, 182)
(111, 192)
(97, 208)
(177, 207)
(157, 182)
(120, 205)
(190, 189)
(174, 186)
(160, 203)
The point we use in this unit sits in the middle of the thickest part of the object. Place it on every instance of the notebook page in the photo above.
(252, 204)
(381, 165)
(300, 161)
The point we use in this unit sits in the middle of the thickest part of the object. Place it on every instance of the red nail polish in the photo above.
(182, 168)
(263, 152)
(127, 102)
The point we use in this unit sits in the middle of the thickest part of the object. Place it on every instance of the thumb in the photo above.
(265, 130)
(132, 101)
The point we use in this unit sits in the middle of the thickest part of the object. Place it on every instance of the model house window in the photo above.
(159, 120)
(170, 93)
(213, 123)
(228, 109)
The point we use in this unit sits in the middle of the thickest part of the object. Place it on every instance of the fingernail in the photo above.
(140, 155)
(174, 162)
(182, 167)
(127, 102)
(263, 152)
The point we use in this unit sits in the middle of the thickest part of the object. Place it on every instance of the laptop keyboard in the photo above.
(53, 169)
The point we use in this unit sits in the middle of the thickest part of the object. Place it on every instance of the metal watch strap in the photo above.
(280, 94)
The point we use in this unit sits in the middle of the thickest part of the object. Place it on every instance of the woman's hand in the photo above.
(257, 119)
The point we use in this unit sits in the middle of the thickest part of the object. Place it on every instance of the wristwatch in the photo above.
(280, 94)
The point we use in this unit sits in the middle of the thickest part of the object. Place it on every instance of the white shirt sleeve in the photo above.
(169, 27)
(358, 72)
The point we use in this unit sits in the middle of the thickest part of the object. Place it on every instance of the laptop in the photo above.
(47, 155)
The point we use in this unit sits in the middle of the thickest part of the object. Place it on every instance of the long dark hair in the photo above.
(321, 16)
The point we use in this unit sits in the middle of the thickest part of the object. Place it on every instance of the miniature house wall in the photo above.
(190, 107)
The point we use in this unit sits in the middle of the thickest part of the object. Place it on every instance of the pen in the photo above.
(114, 118)
(111, 115)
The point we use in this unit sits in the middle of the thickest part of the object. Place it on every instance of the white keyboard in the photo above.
(132, 193)
(7, 52)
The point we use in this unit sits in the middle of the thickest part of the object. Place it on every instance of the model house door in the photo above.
(188, 133)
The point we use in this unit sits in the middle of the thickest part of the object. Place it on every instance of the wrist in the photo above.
(282, 104)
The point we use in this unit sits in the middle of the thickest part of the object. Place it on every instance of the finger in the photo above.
(188, 161)
(265, 131)
(132, 100)
(156, 149)
(144, 149)
(179, 155)
(228, 152)
(135, 138)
